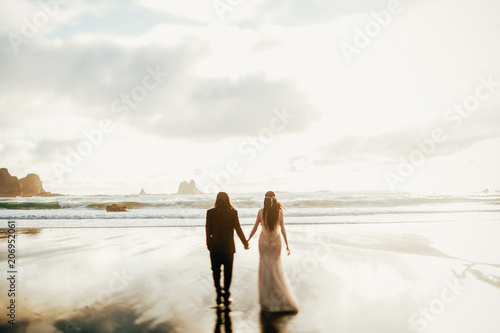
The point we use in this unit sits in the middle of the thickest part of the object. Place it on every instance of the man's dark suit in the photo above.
(219, 229)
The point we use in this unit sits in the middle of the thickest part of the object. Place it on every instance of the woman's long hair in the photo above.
(222, 203)
(271, 210)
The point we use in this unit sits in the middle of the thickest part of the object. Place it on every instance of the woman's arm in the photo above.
(283, 231)
(257, 221)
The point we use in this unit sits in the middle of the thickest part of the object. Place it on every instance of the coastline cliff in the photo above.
(29, 186)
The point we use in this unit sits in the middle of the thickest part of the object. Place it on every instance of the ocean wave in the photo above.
(29, 205)
(385, 202)
(128, 204)
(319, 201)
(201, 214)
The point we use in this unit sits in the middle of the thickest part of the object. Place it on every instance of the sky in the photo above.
(108, 97)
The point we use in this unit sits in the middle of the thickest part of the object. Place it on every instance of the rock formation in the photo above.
(29, 186)
(9, 185)
(116, 208)
(188, 188)
(142, 192)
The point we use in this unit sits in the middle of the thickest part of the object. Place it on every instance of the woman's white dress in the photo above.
(274, 291)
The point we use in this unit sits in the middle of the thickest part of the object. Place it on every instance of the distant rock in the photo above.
(9, 185)
(116, 208)
(485, 191)
(29, 186)
(142, 192)
(188, 188)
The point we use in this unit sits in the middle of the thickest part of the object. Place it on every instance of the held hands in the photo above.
(247, 245)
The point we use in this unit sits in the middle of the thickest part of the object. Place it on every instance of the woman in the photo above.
(274, 292)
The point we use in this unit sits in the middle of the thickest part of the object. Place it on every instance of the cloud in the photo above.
(259, 12)
(41, 18)
(267, 44)
(200, 11)
(86, 79)
(388, 147)
(297, 12)
(220, 107)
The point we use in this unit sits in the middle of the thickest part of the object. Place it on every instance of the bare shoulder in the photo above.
(259, 214)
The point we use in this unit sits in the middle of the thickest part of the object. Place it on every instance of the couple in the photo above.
(222, 220)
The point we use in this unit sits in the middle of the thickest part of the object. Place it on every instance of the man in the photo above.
(222, 220)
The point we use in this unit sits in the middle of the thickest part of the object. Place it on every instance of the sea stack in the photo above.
(142, 192)
(188, 188)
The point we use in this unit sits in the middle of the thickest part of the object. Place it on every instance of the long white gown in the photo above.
(274, 291)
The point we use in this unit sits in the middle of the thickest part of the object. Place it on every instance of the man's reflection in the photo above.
(223, 323)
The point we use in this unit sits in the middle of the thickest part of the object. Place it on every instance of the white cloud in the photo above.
(202, 11)
(388, 147)
(88, 78)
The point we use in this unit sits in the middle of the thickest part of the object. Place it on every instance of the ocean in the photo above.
(301, 208)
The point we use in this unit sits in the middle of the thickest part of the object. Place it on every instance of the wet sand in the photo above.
(386, 278)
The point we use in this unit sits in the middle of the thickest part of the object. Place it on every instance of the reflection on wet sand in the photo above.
(223, 322)
(4, 232)
(20, 327)
(159, 280)
(275, 322)
(114, 318)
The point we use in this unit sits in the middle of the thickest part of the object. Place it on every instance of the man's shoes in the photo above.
(227, 298)
(219, 299)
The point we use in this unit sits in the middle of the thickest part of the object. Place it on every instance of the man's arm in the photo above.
(208, 228)
(239, 232)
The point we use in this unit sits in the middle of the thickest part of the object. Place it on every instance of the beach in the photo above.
(369, 129)
(384, 277)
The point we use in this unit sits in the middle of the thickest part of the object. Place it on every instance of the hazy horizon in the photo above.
(367, 95)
